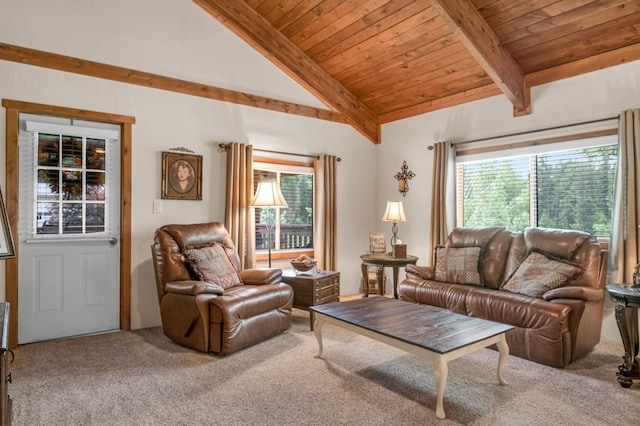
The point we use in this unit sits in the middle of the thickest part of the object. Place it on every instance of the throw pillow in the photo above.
(539, 274)
(211, 264)
(458, 265)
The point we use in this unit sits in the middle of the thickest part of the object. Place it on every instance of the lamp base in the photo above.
(394, 230)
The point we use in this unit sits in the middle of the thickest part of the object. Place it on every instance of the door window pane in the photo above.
(48, 150)
(47, 215)
(71, 152)
(70, 198)
(95, 217)
(71, 185)
(95, 186)
(96, 150)
(72, 218)
(48, 185)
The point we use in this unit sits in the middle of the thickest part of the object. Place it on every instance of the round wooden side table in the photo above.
(380, 261)
(627, 300)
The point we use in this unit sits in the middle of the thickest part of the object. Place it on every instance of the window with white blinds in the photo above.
(292, 226)
(67, 174)
(562, 188)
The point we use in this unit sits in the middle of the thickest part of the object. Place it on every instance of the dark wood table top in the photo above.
(436, 329)
(386, 260)
(629, 293)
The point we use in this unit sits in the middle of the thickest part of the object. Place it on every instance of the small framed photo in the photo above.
(181, 176)
(6, 239)
(377, 243)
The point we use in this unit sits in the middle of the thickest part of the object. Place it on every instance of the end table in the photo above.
(311, 289)
(380, 260)
(627, 300)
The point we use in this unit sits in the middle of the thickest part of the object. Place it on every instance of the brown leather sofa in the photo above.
(219, 315)
(554, 326)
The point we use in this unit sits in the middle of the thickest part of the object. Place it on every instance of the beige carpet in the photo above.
(142, 378)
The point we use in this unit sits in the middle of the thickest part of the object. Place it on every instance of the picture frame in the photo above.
(6, 238)
(377, 242)
(181, 176)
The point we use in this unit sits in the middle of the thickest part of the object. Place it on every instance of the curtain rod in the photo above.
(227, 146)
(529, 132)
(535, 131)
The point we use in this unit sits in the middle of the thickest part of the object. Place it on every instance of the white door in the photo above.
(68, 230)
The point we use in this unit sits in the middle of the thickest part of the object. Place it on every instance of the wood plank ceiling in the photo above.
(376, 61)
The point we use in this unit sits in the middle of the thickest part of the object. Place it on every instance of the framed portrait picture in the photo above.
(377, 243)
(6, 239)
(181, 176)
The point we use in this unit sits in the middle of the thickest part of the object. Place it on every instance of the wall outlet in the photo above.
(157, 206)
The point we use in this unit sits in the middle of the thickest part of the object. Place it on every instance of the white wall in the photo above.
(592, 96)
(176, 38)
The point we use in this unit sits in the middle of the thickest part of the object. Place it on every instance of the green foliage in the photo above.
(574, 190)
(297, 189)
(496, 193)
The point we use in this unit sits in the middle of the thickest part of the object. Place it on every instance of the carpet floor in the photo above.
(142, 378)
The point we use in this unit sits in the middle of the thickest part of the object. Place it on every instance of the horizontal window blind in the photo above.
(568, 189)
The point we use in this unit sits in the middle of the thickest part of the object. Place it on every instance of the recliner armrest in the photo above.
(261, 276)
(193, 288)
(419, 272)
(588, 294)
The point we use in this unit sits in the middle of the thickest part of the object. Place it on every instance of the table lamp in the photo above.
(395, 214)
(268, 195)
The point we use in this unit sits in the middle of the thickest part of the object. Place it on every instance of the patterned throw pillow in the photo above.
(211, 264)
(457, 265)
(539, 274)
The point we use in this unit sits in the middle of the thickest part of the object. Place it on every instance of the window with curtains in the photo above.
(566, 185)
(291, 227)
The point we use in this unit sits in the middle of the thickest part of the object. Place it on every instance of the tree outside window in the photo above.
(570, 189)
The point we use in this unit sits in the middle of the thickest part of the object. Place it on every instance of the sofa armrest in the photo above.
(419, 272)
(261, 276)
(193, 288)
(588, 294)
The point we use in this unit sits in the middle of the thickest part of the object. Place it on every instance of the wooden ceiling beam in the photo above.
(483, 44)
(54, 61)
(246, 23)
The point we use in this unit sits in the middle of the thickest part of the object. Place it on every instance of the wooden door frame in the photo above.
(13, 110)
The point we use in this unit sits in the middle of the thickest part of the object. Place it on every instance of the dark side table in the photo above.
(627, 300)
(312, 288)
(380, 260)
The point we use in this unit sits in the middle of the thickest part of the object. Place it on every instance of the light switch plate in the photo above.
(157, 206)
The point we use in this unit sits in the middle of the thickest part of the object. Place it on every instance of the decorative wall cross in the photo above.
(402, 177)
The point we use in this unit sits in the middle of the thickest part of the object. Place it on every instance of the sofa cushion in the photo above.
(457, 265)
(211, 264)
(472, 237)
(539, 274)
(559, 243)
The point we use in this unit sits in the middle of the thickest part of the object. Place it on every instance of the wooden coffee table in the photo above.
(433, 333)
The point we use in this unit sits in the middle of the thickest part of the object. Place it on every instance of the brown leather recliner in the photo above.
(209, 316)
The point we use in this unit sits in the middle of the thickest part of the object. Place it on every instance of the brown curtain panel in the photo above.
(325, 229)
(624, 248)
(443, 206)
(238, 218)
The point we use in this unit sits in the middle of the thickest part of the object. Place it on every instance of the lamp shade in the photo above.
(394, 212)
(268, 194)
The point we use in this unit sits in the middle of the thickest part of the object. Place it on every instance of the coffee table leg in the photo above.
(440, 371)
(317, 329)
(504, 353)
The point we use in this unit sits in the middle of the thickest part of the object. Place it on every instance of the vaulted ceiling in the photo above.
(376, 61)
